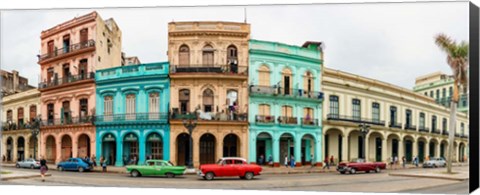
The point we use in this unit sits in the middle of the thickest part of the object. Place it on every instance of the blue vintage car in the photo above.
(75, 164)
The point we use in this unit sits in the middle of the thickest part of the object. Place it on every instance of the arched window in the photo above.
(287, 81)
(232, 55)
(422, 121)
(208, 100)
(66, 115)
(184, 55)
(10, 115)
(20, 116)
(208, 55)
(308, 116)
(334, 107)
(264, 110)
(108, 107)
(83, 108)
(184, 100)
(154, 103)
(130, 111)
(356, 109)
(264, 76)
(308, 84)
(33, 112)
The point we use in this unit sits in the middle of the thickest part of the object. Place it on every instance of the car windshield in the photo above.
(168, 164)
(220, 162)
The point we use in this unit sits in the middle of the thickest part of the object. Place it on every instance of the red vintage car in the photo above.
(360, 165)
(229, 167)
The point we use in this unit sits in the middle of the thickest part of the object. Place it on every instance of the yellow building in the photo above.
(402, 122)
(208, 72)
(18, 111)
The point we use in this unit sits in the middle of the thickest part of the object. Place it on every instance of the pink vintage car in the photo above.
(360, 165)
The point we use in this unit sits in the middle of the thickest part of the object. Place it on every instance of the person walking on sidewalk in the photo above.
(415, 161)
(312, 163)
(103, 162)
(326, 164)
(404, 161)
(292, 161)
(331, 161)
(395, 162)
(286, 161)
(43, 168)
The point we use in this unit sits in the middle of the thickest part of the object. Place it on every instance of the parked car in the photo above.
(360, 165)
(28, 163)
(156, 168)
(229, 167)
(75, 164)
(434, 163)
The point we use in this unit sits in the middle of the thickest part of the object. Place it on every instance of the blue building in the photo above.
(285, 103)
(131, 113)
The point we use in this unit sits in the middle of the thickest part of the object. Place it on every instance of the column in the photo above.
(15, 149)
(219, 147)
(298, 151)
(166, 145)
(98, 147)
(437, 150)
(427, 148)
(43, 145)
(384, 150)
(366, 144)
(59, 150)
(27, 148)
(400, 149)
(196, 151)
(119, 146)
(75, 147)
(93, 148)
(252, 148)
(345, 154)
(415, 150)
(142, 145)
(276, 151)
(318, 150)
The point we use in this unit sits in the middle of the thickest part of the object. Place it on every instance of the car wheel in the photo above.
(434, 166)
(353, 171)
(80, 169)
(60, 168)
(248, 175)
(17, 165)
(209, 176)
(32, 167)
(170, 175)
(377, 169)
(135, 173)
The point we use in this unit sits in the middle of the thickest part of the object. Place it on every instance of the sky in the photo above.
(392, 42)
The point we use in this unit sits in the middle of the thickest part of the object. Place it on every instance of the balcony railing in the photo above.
(464, 136)
(7, 126)
(309, 122)
(265, 119)
(436, 131)
(210, 68)
(68, 121)
(457, 134)
(410, 127)
(132, 117)
(338, 117)
(288, 120)
(424, 129)
(210, 116)
(65, 80)
(445, 132)
(72, 48)
(279, 91)
(395, 125)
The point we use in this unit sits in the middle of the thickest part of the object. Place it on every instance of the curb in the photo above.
(428, 176)
(22, 177)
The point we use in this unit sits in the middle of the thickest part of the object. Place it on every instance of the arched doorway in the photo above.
(66, 147)
(356, 145)
(334, 144)
(433, 148)
(51, 150)
(83, 146)
(154, 147)
(207, 149)
(287, 143)
(130, 149)
(264, 148)
(20, 149)
(408, 142)
(9, 149)
(109, 148)
(33, 147)
(461, 153)
(422, 149)
(375, 147)
(443, 149)
(308, 149)
(392, 145)
(183, 149)
(230, 145)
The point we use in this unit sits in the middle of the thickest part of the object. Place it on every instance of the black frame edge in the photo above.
(474, 97)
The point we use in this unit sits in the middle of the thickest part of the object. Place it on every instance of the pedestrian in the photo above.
(395, 162)
(326, 165)
(261, 160)
(312, 163)
(4, 158)
(331, 161)
(103, 162)
(270, 160)
(415, 161)
(404, 161)
(292, 161)
(94, 160)
(286, 161)
(43, 168)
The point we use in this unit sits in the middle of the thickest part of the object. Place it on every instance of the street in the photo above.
(331, 182)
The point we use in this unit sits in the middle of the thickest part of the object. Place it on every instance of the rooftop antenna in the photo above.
(245, 15)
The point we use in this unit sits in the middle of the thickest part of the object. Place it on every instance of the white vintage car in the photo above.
(435, 162)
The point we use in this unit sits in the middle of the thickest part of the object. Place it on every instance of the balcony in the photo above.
(8, 126)
(337, 117)
(68, 121)
(445, 132)
(264, 119)
(72, 49)
(279, 91)
(423, 129)
(210, 116)
(309, 122)
(287, 120)
(457, 134)
(436, 131)
(66, 80)
(464, 136)
(395, 125)
(210, 68)
(132, 118)
(132, 71)
(410, 127)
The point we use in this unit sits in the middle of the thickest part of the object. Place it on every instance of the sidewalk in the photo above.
(20, 175)
(459, 174)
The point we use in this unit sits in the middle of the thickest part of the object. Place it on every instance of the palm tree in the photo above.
(457, 59)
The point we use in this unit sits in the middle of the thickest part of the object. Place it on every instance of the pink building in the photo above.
(71, 52)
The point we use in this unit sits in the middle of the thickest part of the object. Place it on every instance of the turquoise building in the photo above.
(131, 113)
(285, 102)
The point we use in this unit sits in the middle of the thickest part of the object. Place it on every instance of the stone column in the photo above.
(318, 150)
(427, 148)
(415, 150)
(384, 150)
(298, 151)
(43, 146)
(252, 148)
(26, 149)
(437, 150)
(366, 144)
(276, 151)
(15, 149)
(400, 150)
(59, 150)
(345, 154)
(219, 148)
(119, 157)
(196, 151)
(75, 147)
(142, 146)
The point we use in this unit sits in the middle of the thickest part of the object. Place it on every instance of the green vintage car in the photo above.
(156, 168)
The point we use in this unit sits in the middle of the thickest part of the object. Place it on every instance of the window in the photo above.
(434, 123)
(208, 100)
(264, 110)
(208, 55)
(356, 109)
(408, 118)
(438, 93)
(264, 76)
(66, 73)
(422, 121)
(232, 55)
(376, 112)
(393, 115)
(9, 115)
(462, 129)
(431, 94)
(426, 94)
(184, 55)
(287, 111)
(444, 124)
(83, 108)
(444, 93)
(83, 36)
(130, 112)
(450, 91)
(184, 100)
(50, 48)
(20, 116)
(108, 107)
(83, 69)
(33, 112)
(154, 103)
(50, 74)
(308, 116)
(109, 45)
(287, 81)
(334, 106)
(66, 112)
(308, 82)
(66, 43)
(50, 113)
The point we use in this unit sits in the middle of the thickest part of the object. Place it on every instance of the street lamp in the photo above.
(190, 123)
(364, 131)
(35, 129)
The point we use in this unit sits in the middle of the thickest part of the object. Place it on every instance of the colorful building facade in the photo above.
(71, 52)
(131, 116)
(285, 102)
(208, 72)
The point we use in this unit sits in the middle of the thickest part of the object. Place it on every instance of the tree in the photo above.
(457, 59)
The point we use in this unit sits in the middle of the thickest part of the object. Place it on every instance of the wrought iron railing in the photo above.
(68, 121)
(65, 80)
(136, 117)
(410, 127)
(288, 120)
(233, 117)
(338, 117)
(424, 129)
(209, 68)
(394, 124)
(7, 126)
(280, 91)
(309, 122)
(65, 50)
(445, 132)
(457, 134)
(436, 131)
(264, 119)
